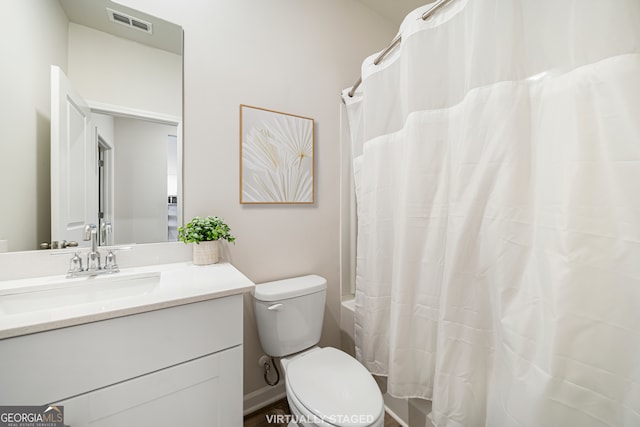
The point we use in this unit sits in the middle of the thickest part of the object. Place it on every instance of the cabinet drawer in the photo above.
(53, 365)
(203, 392)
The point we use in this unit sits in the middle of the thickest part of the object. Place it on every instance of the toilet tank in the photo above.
(289, 314)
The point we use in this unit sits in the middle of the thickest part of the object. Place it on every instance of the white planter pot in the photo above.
(206, 253)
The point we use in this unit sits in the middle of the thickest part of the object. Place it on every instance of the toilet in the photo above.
(324, 386)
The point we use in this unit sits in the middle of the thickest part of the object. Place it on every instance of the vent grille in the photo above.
(129, 21)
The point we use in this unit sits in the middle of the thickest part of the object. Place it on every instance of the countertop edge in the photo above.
(97, 317)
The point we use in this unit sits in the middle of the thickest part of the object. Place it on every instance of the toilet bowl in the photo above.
(329, 387)
(324, 386)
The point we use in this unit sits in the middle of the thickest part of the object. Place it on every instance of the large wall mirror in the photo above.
(125, 67)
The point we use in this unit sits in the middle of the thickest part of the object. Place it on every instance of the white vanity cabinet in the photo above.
(180, 365)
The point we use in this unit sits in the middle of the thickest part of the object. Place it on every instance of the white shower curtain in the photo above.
(497, 170)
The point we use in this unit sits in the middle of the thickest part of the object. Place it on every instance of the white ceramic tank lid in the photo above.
(335, 387)
(289, 288)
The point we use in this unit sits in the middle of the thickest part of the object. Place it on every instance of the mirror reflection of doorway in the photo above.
(145, 166)
(109, 167)
(105, 191)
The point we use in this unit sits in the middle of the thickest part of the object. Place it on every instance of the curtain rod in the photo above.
(396, 42)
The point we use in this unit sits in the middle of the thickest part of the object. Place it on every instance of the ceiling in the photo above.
(395, 10)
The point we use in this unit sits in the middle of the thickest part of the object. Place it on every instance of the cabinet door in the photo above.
(204, 392)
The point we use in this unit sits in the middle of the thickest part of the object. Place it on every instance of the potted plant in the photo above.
(205, 233)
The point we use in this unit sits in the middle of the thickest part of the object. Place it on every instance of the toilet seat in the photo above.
(335, 388)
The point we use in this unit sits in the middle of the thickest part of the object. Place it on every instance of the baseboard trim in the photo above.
(262, 397)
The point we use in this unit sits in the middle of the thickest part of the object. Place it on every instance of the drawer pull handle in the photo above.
(276, 307)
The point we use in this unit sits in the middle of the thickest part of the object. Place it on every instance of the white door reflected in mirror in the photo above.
(74, 175)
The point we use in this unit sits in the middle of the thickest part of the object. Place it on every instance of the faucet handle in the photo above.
(75, 266)
(110, 262)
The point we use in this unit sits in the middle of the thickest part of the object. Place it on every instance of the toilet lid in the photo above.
(335, 387)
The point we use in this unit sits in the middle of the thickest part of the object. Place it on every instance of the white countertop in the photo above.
(179, 283)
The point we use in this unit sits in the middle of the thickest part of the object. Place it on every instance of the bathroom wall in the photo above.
(34, 37)
(292, 56)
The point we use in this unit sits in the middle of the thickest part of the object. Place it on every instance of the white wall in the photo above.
(32, 38)
(292, 56)
(117, 71)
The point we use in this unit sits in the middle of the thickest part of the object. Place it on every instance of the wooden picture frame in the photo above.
(276, 157)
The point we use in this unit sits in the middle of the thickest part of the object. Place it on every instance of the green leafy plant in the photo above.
(205, 229)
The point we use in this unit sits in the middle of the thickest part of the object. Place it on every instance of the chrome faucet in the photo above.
(93, 257)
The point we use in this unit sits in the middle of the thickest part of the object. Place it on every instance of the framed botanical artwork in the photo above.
(276, 157)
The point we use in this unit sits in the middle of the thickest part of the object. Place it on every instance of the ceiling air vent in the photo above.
(129, 21)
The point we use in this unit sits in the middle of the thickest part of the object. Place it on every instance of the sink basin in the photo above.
(73, 292)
